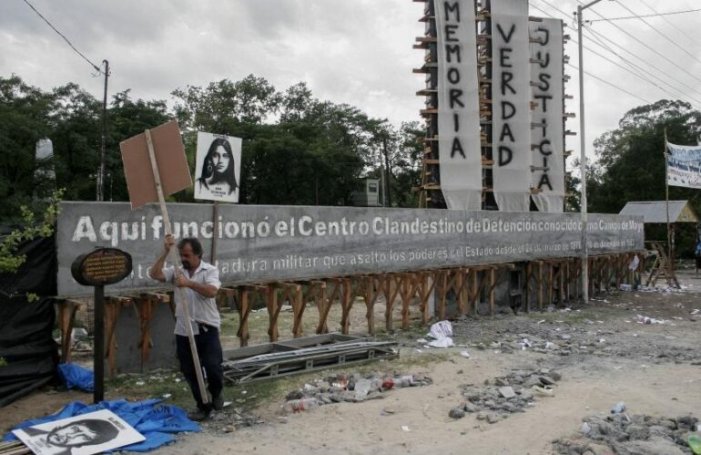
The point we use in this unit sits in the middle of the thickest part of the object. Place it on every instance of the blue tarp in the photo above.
(77, 377)
(157, 422)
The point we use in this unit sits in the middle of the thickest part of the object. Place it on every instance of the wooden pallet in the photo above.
(302, 355)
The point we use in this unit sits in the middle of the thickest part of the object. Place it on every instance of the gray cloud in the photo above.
(357, 52)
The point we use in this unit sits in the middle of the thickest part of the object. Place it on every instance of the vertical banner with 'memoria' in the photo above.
(511, 95)
(458, 105)
(548, 177)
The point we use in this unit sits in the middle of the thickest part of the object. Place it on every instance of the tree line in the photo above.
(297, 149)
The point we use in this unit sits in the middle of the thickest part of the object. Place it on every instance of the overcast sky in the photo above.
(348, 51)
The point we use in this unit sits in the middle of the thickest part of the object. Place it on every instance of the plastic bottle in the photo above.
(301, 404)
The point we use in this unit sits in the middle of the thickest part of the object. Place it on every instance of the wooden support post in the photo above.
(145, 304)
(273, 307)
(443, 294)
(527, 286)
(244, 312)
(551, 283)
(320, 302)
(346, 304)
(66, 318)
(460, 296)
(492, 286)
(539, 283)
(370, 295)
(408, 290)
(428, 284)
(391, 291)
(474, 295)
(561, 280)
(298, 306)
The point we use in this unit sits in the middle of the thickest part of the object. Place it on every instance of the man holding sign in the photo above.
(199, 281)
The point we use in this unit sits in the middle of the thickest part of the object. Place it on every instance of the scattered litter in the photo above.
(524, 344)
(405, 428)
(543, 390)
(465, 354)
(618, 408)
(441, 329)
(541, 321)
(140, 383)
(640, 319)
(441, 332)
(167, 395)
(348, 388)
(441, 343)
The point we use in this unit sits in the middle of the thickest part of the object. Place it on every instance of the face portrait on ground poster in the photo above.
(218, 167)
(94, 432)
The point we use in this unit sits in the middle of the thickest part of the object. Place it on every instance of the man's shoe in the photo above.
(198, 415)
(218, 403)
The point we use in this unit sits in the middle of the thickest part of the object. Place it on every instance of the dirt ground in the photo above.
(602, 352)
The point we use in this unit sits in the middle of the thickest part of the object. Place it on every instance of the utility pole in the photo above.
(100, 195)
(583, 156)
(384, 149)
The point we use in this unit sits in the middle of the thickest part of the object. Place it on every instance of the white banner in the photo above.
(218, 167)
(684, 165)
(459, 152)
(547, 133)
(511, 95)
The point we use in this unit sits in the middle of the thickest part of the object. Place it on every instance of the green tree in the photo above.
(631, 163)
(25, 117)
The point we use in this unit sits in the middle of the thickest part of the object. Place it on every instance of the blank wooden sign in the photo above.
(171, 162)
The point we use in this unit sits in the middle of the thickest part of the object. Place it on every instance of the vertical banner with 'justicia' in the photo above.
(547, 133)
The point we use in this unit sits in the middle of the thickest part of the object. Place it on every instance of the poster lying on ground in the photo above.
(94, 432)
(684, 165)
(218, 167)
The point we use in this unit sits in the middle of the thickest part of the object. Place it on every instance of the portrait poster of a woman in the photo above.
(218, 167)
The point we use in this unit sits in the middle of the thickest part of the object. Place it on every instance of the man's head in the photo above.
(190, 253)
(82, 433)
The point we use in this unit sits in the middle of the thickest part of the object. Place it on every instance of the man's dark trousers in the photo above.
(210, 353)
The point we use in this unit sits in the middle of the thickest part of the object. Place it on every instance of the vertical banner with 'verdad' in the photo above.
(458, 105)
(511, 95)
(547, 133)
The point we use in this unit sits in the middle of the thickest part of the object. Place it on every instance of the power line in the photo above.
(662, 34)
(599, 40)
(644, 15)
(612, 85)
(648, 47)
(97, 68)
(638, 67)
(638, 75)
(689, 38)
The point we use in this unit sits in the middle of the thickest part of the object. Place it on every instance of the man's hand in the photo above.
(169, 242)
(181, 281)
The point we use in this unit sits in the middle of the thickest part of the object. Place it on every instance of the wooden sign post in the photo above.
(99, 268)
(155, 166)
